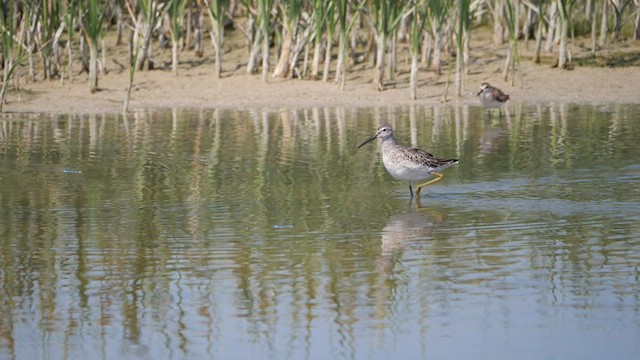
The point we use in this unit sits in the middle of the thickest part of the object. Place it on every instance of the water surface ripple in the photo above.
(267, 234)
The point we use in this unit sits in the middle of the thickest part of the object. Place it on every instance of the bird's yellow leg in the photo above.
(438, 178)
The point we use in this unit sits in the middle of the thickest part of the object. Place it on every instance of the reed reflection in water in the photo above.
(265, 233)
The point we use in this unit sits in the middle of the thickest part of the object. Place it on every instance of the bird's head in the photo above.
(385, 131)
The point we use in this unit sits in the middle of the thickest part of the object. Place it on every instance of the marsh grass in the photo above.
(366, 32)
(92, 29)
(134, 53)
(12, 51)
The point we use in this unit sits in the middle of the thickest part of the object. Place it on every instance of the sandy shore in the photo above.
(196, 87)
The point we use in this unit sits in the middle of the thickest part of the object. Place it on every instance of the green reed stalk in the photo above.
(565, 15)
(540, 24)
(345, 29)
(253, 32)
(10, 42)
(118, 8)
(49, 21)
(602, 40)
(303, 35)
(30, 24)
(216, 10)
(177, 24)
(418, 22)
(290, 11)
(264, 18)
(395, 12)
(151, 14)
(513, 56)
(618, 7)
(70, 13)
(594, 23)
(438, 11)
(92, 28)
(381, 20)
(133, 60)
(318, 23)
(497, 13)
(464, 21)
(445, 94)
(386, 16)
(330, 17)
(342, 42)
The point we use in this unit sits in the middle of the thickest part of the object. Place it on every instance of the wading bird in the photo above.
(408, 164)
(492, 97)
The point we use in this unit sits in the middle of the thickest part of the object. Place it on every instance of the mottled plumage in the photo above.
(408, 164)
(492, 97)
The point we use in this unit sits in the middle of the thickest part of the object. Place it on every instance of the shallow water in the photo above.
(267, 234)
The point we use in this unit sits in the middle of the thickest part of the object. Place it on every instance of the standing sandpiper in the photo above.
(492, 97)
(408, 164)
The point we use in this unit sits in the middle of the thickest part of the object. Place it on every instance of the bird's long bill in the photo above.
(368, 141)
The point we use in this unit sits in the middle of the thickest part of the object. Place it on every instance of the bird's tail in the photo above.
(447, 163)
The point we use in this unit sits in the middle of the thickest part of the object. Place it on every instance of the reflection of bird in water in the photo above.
(408, 164)
(492, 97)
(405, 229)
(491, 139)
(402, 230)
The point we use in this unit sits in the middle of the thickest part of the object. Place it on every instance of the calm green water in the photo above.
(267, 234)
